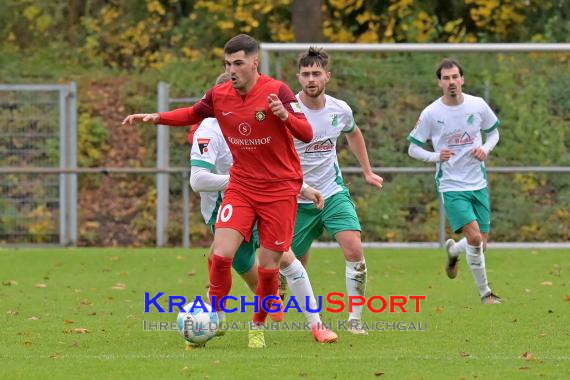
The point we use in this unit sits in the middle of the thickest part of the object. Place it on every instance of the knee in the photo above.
(353, 252)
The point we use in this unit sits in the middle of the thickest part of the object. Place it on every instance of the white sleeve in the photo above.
(491, 141)
(419, 153)
(422, 131)
(202, 180)
(349, 123)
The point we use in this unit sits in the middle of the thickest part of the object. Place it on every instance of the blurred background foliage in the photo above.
(118, 50)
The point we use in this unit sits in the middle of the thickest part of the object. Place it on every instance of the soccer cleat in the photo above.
(355, 327)
(282, 287)
(279, 315)
(491, 299)
(256, 338)
(451, 268)
(323, 335)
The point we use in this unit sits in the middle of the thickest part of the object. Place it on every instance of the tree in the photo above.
(304, 30)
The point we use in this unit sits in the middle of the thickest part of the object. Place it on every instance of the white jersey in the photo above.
(457, 128)
(210, 151)
(318, 157)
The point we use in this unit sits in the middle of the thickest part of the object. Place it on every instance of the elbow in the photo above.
(410, 151)
(195, 184)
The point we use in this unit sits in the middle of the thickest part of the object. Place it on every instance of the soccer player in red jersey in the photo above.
(258, 116)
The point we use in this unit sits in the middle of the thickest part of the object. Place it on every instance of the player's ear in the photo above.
(255, 62)
(328, 75)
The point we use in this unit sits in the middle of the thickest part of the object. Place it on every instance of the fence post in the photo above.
(72, 163)
(162, 162)
(63, 183)
(265, 62)
(441, 222)
(185, 212)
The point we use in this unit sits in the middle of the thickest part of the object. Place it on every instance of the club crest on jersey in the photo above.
(203, 145)
(244, 129)
(320, 146)
(296, 107)
(259, 115)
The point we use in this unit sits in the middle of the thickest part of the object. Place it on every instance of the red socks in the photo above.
(220, 278)
(267, 285)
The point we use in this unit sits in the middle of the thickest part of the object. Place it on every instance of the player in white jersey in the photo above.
(211, 161)
(329, 118)
(454, 123)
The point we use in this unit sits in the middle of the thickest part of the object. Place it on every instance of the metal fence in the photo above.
(38, 129)
(38, 167)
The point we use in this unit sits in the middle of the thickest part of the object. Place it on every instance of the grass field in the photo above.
(78, 314)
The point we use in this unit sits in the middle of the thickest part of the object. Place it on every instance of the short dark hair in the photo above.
(448, 63)
(314, 56)
(244, 42)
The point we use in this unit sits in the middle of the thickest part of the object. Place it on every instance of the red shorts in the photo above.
(275, 218)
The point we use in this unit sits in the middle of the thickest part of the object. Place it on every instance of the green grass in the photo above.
(464, 339)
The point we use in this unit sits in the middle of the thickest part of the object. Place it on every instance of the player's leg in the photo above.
(308, 227)
(276, 221)
(459, 213)
(301, 288)
(482, 208)
(235, 223)
(341, 221)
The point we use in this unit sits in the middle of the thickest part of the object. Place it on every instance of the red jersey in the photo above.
(265, 159)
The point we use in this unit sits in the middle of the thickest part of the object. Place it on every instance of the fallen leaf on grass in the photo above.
(542, 335)
(119, 286)
(115, 258)
(33, 319)
(192, 272)
(81, 330)
(524, 368)
(527, 356)
(13, 312)
(40, 285)
(378, 374)
(10, 283)
(27, 343)
(68, 321)
(179, 257)
(55, 356)
(439, 310)
(567, 298)
(464, 354)
(85, 302)
(546, 283)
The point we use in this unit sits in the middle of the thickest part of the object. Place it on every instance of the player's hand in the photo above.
(277, 107)
(144, 117)
(446, 154)
(479, 154)
(375, 180)
(315, 196)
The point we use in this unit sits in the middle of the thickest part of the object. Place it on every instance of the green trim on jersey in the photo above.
(202, 164)
(214, 216)
(495, 126)
(351, 128)
(484, 171)
(412, 139)
(438, 176)
(338, 177)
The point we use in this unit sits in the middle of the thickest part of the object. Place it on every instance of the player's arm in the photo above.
(358, 147)
(489, 119)
(418, 137)
(178, 117)
(284, 105)
(203, 180)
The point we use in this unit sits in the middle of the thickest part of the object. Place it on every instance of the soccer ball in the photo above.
(199, 326)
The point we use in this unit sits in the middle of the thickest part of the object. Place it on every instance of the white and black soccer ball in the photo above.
(198, 326)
